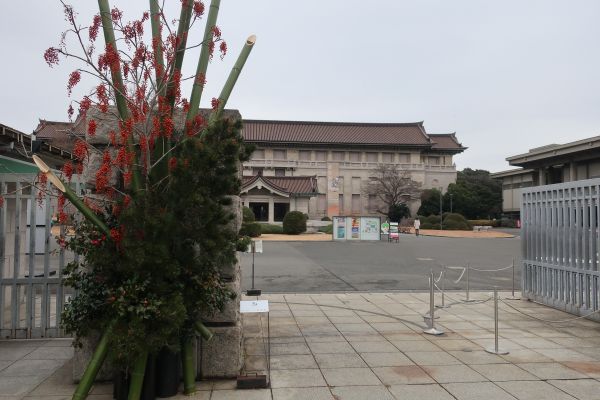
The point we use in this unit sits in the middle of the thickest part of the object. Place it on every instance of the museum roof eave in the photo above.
(510, 172)
(556, 150)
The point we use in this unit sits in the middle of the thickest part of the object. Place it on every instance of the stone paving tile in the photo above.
(291, 348)
(293, 361)
(591, 369)
(551, 371)
(386, 359)
(366, 338)
(566, 355)
(525, 356)
(251, 394)
(412, 392)
(402, 375)
(415, 345)
(4, 364)
(537, 343)
(355, 328)
(333, 347)
(477, 357)
(332, 337)
(431, 358)
(317, 393)
(503, 372)
(350, 376)
(390, 327)
(374, 347)
(32, 368)
(403, 336)
(583, 389)
(457, 344)
(19, 385)
(362, 393)
(296, 378)
(58, 383)
(505, 344)
(477, 391)
(340, 360)
(534, 390)
(15, 352)
(50, 353)
(454, 373)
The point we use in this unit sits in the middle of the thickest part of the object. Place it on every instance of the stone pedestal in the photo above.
(83, 355)
(222, 356)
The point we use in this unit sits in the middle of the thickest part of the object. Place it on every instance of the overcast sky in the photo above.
(505, 75)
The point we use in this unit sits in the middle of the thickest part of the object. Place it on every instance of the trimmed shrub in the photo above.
(294, 223)
(507, 223)
(269, 228)
(327, 229)
(428, 225)
(325, 218)
(251, 229)
(248, 215)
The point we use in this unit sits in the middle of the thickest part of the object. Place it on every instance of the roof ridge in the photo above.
(272, 121)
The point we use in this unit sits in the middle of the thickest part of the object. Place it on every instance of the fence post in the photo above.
(496, 350)
(443, 289)
(513, 297)
(432, 330)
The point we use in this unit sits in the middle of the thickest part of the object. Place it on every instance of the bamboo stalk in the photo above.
(198, 87)
(203, 331)
(91, 371)
(69, 194)
(137, 377)
(233, 76)
(187, 361)
(117, 81)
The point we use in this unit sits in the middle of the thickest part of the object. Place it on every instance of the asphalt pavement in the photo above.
(286, 267)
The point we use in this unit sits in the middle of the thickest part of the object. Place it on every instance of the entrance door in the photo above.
(280, 210)
(261, 211)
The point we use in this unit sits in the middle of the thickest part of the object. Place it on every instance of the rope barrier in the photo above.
(562, 321)
(491, 270)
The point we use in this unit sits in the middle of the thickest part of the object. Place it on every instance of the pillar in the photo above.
(542, 176)
(573, 171)
(271, 218)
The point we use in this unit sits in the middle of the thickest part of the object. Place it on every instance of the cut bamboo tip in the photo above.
(251, 40)
(45, 169)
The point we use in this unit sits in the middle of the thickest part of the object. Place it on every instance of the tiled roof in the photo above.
(445, 141)
(294, 185)
(401, 134)
(55, 133)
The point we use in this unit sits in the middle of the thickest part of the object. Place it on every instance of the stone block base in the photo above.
(222, 356)
(83, 355)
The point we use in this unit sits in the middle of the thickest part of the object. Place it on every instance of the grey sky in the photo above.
(505, 75)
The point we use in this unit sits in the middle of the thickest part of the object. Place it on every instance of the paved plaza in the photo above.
(380, 266)
(347, 346)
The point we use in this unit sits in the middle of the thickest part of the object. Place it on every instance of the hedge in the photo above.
(294, 223)
(269, 228)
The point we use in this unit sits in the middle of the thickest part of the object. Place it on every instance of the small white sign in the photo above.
(258, 247)
(254, 306)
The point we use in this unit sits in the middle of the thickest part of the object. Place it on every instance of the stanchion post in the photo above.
(443, 290)
(253, 291)
(432, 330)
(468, 299)
(496, 350)
(513, 297)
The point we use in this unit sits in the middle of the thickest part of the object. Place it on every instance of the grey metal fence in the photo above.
(560, 243)
(31, 262)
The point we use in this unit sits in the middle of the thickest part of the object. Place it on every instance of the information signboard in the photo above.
(369, 228)
(339, 228)
(394, 230)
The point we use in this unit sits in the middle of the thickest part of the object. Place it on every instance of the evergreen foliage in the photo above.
(294, 223)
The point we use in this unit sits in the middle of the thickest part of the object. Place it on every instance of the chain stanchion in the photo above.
(496, 350)
(443, 288)
(432, 329)
(468, 299)
(513, 297)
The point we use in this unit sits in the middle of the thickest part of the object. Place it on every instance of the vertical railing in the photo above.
(560, 243)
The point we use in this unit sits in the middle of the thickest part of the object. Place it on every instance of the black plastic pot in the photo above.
(168, 365)
(121, 383)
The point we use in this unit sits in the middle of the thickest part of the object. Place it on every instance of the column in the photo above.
(573, 171)
(271, 210)
(542, 176)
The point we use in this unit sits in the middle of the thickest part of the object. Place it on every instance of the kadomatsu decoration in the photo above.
(158, 224)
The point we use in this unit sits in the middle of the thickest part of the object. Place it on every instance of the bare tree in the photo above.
(390, 185)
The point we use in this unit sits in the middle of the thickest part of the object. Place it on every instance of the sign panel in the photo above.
(339, 228)
(394, 230)
(254, 306)
(353, 228)
(369, 228)
(385, 228)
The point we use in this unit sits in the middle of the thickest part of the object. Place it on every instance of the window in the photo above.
(338, 155)
(258, 154)
(433, 160)
(355, 185)
(372, 157)
(403, 158)
(341, 203)
(321, 203)
(356, 204)
(304, 155)
(279, 171)
(354, 156)
(372, 202)
(279, 154)
(387, 157)
(257, 171)
(321, 155)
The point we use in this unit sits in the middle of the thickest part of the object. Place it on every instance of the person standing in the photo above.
(417, 226)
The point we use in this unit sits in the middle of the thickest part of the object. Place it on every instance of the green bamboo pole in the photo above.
(87, 380)
(203, 331)
(187, 361)
(211, 22)
(137, 377)
(117, 81)
(69, 194)
(233, 76)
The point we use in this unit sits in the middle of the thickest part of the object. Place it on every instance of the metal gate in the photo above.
(31, 261)
(560, 243)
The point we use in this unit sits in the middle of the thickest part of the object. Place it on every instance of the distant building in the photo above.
(554, 163)
(322, 168)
